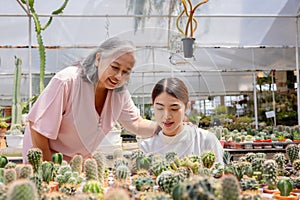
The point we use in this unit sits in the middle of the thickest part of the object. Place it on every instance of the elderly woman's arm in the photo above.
(141, 127)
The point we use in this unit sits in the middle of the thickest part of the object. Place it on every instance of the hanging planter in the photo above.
(188, 47)
(190, 27)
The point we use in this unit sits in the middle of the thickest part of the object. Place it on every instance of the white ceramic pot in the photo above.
(15, 141)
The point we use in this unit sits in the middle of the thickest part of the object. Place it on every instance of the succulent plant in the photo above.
(91, 169)
(296, 165)
(116, 194)
(251, 195)
(167, 180)
(197, 187)
(94, 187)
(10, 175)
(270, 173)
(158, 167)
(122, 172)
(208, 159)
(248, 183)
(280, 160)
(57, 158)
(285, 186)
(76, 163)
(35, 158)
(47, 169)
(24, 171)
(230, 188)
(250, 156)
(155, 195)
(292, 151)
(22, 190)
(143, 183)
(100, 160)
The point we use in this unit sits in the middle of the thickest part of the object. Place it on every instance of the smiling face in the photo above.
(117, 70)
(169, 112)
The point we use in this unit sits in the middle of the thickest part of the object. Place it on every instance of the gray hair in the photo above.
(108, 48)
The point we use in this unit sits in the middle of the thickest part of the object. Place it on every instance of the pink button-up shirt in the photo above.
(65, 113)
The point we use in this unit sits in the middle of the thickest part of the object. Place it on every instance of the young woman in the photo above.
(82, 103)
(170, 99)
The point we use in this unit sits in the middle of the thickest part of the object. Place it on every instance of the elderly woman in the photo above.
(82, 103)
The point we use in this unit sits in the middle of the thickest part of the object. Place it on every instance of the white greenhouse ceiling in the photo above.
(234, 40)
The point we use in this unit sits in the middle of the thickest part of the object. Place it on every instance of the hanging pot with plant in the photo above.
(190, 27)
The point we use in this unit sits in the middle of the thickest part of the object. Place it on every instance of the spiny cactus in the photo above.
(285, 186)
(38, 29)
(24, 171)
(122, 172)
(270, 173)
(248, 183)
(158, 167)
(143, 183)
(91, 169)
(37, 180)
(251, 195)
(250, 156)
(76, 163)
(10, 175)
(208, 159)
(22, 190)
(280, 160)
(10, 164)
(143, 162)
(47, 171)
(100, 160)
(230, 188)
(292, 151)
(95, 187)
(35, 158)
(57, 158)
(167, 180)
(198, 187)
(296, 165)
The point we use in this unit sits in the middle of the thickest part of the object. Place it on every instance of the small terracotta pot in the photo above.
(293, 196)
(268, 191)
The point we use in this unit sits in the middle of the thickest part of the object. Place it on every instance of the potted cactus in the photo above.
(285, 188)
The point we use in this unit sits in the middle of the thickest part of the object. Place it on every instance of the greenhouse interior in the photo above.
(149, 99)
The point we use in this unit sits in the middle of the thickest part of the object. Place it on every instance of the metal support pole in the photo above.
(297, 72)
(255, 100)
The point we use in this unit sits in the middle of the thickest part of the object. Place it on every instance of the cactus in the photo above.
(230, 188)
(167, 180)
(248, 183)
(143, 162)
(292, 151)
(95, 187)
(22, 190)
(35, 158)
(57, 158)
(100, 160)
(38, 30)
(285, 186)
(47, 169)
(3, 161)
(122, 172)
(76, 163)
(250, 156)
(16, 111)
(143, 184)
(270, 173)
(197, 187)
(24, 171)
(251, 195)
(280, 160)
(91, 169)
(10, 165)
(170, 156)
(208, 159)
(158, 167)
(10, 175)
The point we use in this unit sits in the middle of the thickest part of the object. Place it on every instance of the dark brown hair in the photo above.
(172, 86)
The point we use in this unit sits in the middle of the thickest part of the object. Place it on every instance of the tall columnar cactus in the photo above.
(16, 112)
(280, 160)
(100, 160)
(37, 180)
(91, 169)
(38, 29)
(292, 151)
(270, 173)
(22, 190)
(76, 163)
(230, 188)
(57, 158)
(208, 159)
(35, 158)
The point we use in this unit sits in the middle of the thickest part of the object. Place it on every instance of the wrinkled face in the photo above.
(169, 113)
(117, 71)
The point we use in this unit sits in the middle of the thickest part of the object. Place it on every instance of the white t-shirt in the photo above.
(190, 140)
